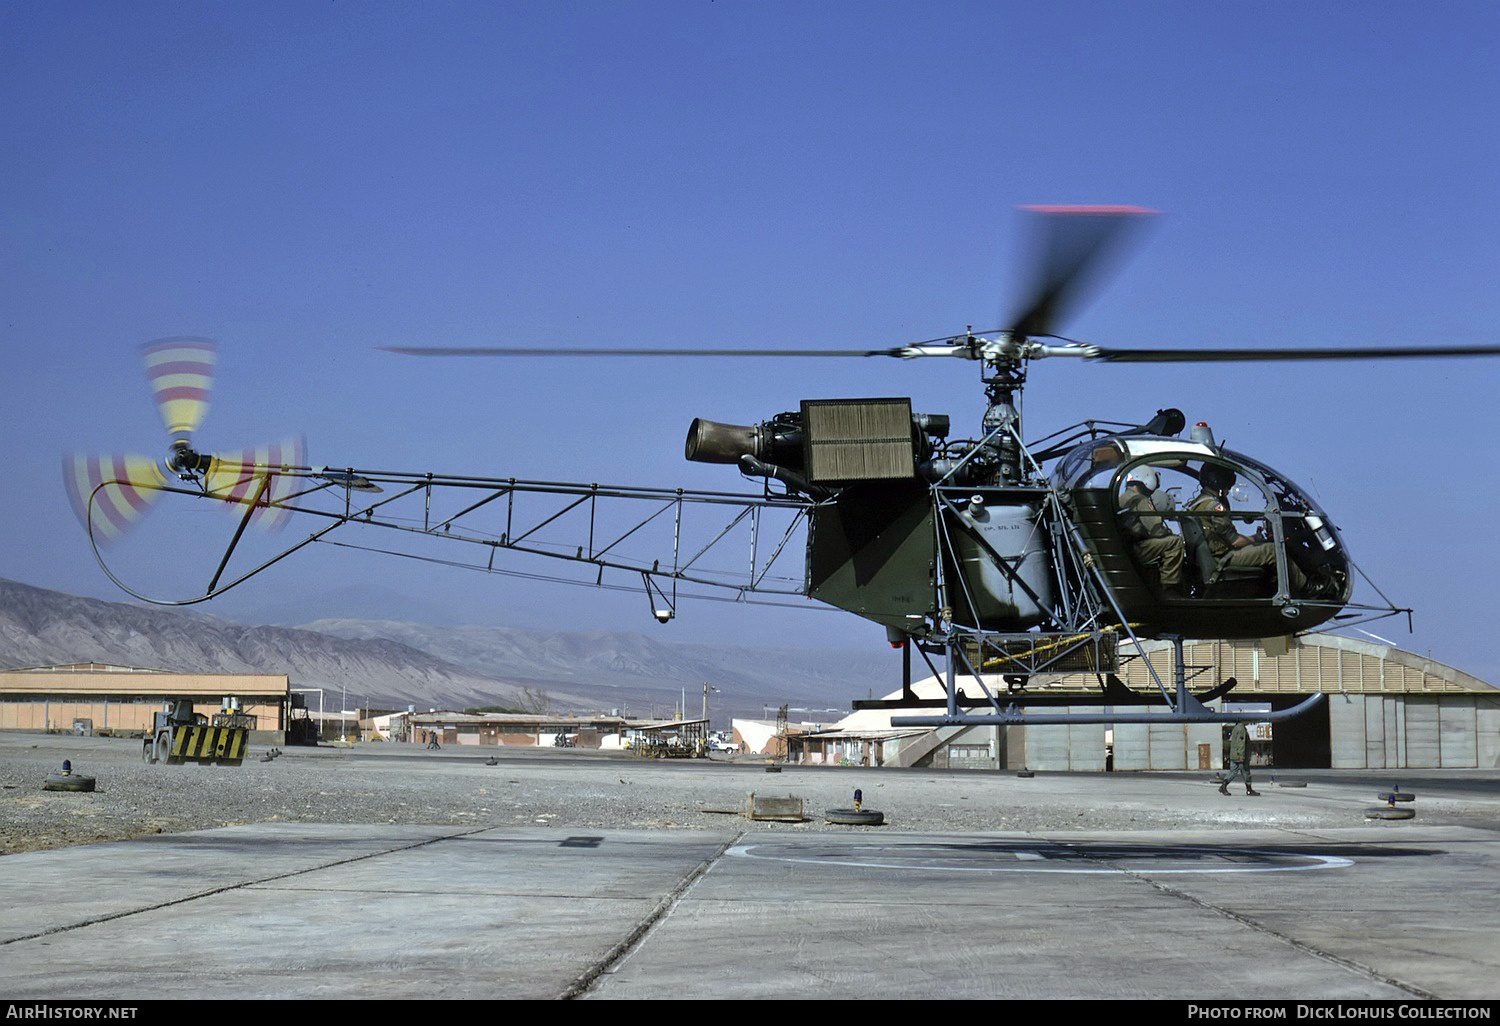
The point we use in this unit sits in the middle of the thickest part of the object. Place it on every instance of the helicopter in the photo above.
(997, 555)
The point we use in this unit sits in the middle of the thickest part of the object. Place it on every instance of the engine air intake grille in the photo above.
(858, 439)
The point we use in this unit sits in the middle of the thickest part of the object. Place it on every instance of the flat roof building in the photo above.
(99, 697)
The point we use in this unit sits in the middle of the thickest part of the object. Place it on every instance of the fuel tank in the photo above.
(997, 558)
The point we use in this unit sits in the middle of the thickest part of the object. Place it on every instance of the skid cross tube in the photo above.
(1186, 707)
(1014, 716)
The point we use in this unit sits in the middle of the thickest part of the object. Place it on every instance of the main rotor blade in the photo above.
(1073, 241)
(1254, 355)
(503, 351)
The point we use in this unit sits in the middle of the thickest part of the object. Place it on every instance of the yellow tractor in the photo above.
(179, 734)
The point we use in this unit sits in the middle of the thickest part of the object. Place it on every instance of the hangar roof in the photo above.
(1312, 663)
(1315, 662)
(105, 679)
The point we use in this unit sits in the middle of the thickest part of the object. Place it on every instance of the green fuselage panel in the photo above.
(873, 553)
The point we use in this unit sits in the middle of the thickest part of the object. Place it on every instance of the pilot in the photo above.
(1228, 546)
(1152, 541)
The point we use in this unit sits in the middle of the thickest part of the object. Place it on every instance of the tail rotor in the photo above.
(110, 493)
(180, 372)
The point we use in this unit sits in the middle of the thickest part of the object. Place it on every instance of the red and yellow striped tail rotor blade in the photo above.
(259, 475)
(181, 374)
(110, 493)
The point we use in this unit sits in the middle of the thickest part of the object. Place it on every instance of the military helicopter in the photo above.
(997, 555)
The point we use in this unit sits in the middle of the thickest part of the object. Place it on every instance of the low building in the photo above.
(776, 738)
(96, 698)
(515, 729)
(852, 746)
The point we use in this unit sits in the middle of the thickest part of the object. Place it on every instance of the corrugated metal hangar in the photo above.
(1385, 708)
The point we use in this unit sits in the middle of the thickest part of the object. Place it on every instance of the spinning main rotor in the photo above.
(1073, 245)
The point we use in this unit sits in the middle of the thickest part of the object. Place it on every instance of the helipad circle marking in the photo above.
(1055, 858)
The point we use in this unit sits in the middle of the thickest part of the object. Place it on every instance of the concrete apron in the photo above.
(1384, 911)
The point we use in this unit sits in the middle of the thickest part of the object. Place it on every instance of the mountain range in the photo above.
(395, 664)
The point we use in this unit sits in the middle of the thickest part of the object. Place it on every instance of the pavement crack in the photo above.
(1303, 946)
(617, 953)
(238, 886)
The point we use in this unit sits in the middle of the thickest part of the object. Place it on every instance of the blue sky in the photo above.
(304, 182)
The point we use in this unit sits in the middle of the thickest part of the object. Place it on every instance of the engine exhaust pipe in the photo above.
(711, 442)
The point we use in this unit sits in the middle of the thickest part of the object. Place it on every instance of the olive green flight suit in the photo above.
(1239, 759)
(1153, 542)
(1220, 534)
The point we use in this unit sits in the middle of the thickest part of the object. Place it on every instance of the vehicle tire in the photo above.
(1396, 796)
(1025, 774)
(1388, 812)
(1292, 783)
(852, 817)
(148, 754)
(68, 782)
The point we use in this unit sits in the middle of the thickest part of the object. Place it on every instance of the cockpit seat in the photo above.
(1209, 570)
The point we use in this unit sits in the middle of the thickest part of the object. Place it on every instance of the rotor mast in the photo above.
(1004, 358)
(1073, 242)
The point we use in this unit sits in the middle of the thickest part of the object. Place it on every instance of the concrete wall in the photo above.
(1164, 746)
(980, 748)
(1487, 726)
(1367, 732)
(1137, 746)
(1414, 731)
(1071, 746)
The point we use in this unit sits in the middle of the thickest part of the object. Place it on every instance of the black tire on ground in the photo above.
(1025, 774)
(1388, 812)
(1292, 783)
(1399, 796)
(851, 817)
(68, 782)
(148, 756)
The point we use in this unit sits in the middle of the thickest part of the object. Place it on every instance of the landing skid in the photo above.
(1010, 708)
(1115, 693)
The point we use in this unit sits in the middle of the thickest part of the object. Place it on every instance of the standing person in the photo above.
(1239, 760)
